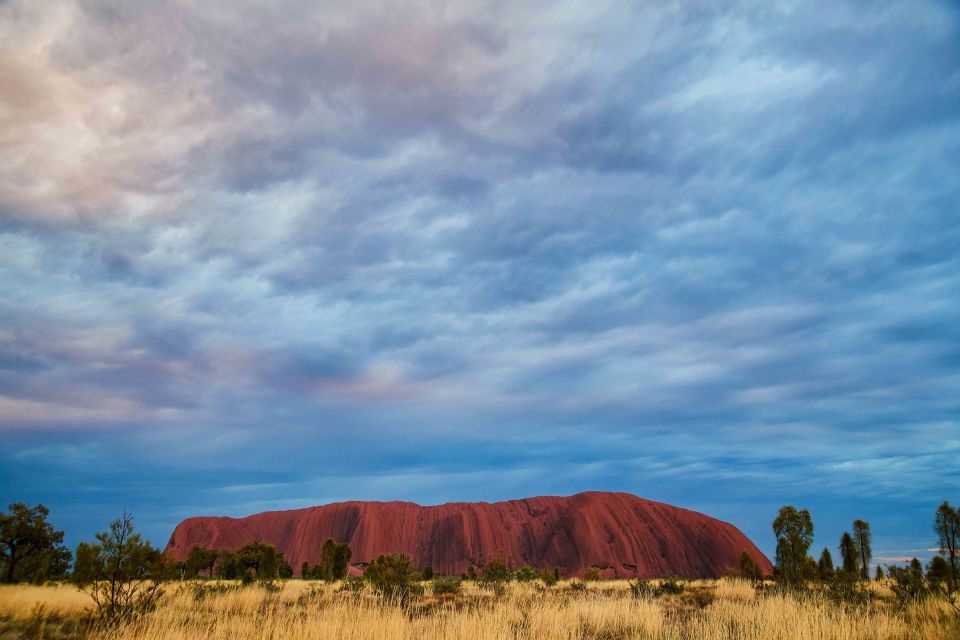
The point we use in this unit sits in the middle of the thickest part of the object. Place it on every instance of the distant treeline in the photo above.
(31, 550)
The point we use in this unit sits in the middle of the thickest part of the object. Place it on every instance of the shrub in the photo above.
(496, 571)
(427, 573)
(525, 574)
(550, 578)
(642, 589)
(446, 585)
(908, 583)
(351, 584)
(846, 590)
(495, 576)
(578, 586)
(592, 573)
(201, 591)
(667, 586)
(392, 577)
(670, 585)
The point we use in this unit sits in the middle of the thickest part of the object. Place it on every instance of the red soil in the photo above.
(622, 534)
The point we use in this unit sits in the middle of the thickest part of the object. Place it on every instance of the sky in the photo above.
(260, 256)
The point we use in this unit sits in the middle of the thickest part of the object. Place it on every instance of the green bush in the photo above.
(496, 575)
(496, 571)
(525, 574)
(578, 586)
(908, 583)
(446, 585)
(393, 578)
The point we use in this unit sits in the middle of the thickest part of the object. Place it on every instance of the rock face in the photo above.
(622, 534)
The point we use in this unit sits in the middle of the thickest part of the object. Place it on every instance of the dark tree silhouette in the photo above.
(848, 554)
(825, 566)
(946, 524)
(861, 538)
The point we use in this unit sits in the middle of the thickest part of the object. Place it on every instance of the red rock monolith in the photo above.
(623, 535)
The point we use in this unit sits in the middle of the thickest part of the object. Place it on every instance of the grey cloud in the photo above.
(642, 247)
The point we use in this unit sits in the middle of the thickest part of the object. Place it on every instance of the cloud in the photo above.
(477, 251)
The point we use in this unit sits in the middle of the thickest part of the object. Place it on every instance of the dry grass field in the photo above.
(305, 609)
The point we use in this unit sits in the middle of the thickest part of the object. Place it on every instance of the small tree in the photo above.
(550, 577)
(258, 560)
(946, 524)
(825, 565)
(124, 579)
(229, 566)
(334, 559)
(305, 570)
(284, 570)
(794, 532)
(938, 572)
(879, 573)
(861, 538)
(201, 559)
(427, 573)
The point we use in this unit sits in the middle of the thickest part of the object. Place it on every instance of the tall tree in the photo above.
(848, 553)
(30, 548)
(861, 538)
(946, 524)
(794, 532)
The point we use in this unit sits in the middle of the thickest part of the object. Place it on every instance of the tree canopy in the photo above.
(794, 532)
(31, 550)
